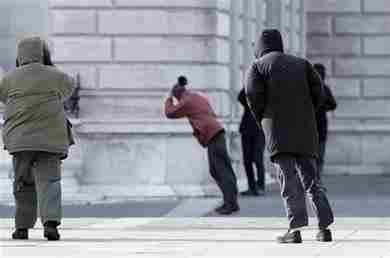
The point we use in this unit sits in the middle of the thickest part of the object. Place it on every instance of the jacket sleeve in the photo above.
(316, 86)
(3, 90)
(242, 98)
(66, 87)
(255, 91)
(330, 103)
(175, 111)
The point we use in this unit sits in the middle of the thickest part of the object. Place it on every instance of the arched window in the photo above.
(20, 19)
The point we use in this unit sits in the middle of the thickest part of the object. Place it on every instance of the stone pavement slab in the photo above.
(198, 237)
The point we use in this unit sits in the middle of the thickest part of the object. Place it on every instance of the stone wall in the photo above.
(351, 38)
(129, 54)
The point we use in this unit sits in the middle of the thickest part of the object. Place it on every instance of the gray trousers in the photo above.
(37, 187)
(221, 169)
(298, 178)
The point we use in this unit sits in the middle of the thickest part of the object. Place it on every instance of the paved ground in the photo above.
(198, 237)
(351, 196)
(156, 228)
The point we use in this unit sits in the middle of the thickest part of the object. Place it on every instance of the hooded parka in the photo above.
(283, 92)
(33, 94)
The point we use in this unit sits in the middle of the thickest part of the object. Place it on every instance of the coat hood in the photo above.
(269, 41)
(31, 50)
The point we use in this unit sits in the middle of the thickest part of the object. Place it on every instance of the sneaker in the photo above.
(20, 234)
(324, 235)
(229, 209)
(250, 193)
(290, 238)
(51, 231)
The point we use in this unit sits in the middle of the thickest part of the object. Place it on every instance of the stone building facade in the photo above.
(129, 53)
(352, 38)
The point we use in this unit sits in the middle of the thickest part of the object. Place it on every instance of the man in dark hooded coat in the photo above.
(283, 92)
(37, 135)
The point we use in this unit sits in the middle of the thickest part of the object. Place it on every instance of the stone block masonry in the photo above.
(129, 53)
(352, 38)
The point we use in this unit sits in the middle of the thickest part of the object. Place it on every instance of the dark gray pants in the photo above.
(298, 178)
(221, 169)
(37, 187)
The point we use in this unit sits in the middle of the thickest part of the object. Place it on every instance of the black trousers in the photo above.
(253, 153)
(221, 169)
(321, 159)
(298, 178)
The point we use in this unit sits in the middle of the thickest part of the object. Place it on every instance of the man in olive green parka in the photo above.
(36, 133)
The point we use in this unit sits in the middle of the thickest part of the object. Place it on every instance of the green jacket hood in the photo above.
(31, 50)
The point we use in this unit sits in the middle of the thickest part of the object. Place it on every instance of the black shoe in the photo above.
(324, 235)
(250, 193)
(220, 208)
(229, 209)
(51, 231)
(20, 234)
(290, 238)
(261, 192)
(260, 185)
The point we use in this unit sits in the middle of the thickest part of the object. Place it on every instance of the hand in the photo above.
(175, 101)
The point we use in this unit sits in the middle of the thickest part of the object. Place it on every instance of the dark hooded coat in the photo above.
(34, 118)
(248, 123)
(284, 92)
(330, 104)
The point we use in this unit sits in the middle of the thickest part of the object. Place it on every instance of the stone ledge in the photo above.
(80, 3)
(219, 4)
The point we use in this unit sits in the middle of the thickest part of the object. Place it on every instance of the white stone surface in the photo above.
(88, 74)
(84, 49)
(198, 237)
(172, 49)
(333, 6)
(71, 21)
(378, 87)
(223, 4)
(163, 76)
(364, 66)
(80, 3)
(323, 45)
(342, 87)
(163, 22)
(362, 24)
